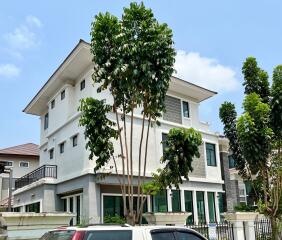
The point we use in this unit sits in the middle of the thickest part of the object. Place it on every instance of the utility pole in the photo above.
(10, 190)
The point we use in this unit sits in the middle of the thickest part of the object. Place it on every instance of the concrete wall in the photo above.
(45, 194)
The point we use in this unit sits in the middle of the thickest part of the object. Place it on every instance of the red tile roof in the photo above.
(28, 149)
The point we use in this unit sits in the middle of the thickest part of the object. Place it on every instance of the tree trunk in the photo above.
(274, 228)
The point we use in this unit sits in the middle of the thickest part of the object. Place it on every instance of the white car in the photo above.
(122, 232)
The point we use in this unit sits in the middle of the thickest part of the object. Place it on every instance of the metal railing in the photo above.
(224, 230)
(44, 171)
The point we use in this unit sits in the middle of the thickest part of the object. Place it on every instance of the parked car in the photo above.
(122, 232)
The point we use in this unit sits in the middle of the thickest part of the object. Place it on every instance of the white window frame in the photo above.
(9, 162)
(52, 149)
(68, 197)
(24, 162)
(183, 100)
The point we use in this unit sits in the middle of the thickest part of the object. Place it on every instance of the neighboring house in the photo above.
(66, 180)
(238, 191)
(22, 159)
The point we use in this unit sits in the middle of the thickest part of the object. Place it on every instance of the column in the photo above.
(182, 200)
(250, 230)
(238, 230)
(169, 199)
(206, 206)
(195, 210)
(149, 204)
(217, 213)
(91, 202)
(74, 209)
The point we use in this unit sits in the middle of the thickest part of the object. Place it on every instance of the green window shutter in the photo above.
(201, 207)
(176, 203)
(211, 204)
(188, 196)
(210, 154)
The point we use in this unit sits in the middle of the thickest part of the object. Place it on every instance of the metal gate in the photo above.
(224, 230)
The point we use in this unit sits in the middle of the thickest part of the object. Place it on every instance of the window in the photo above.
(171, 234)
(53, 103)
(221, 200)
(188, 196)
(24, 164)
(34, 207)
(82, 85)
(109, 234)
(63, 94)
(201, 207)
(211, 203)
(17, 209)
(160, 202)
(185, 235)
(210, 152)
(74, 141)
(185, 109)
(164, 137)
(231, 161)
(113, 206)
(61, 234)
(51, 153)
(46, 120)
(175, 199)
(8, 163)
(62, 147)
(162, 235)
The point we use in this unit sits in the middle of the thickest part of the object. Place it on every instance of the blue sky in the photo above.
(213, 38)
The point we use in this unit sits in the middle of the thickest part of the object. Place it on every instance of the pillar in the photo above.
(182, 200)
(169, 199)
(91, 202)
(195, 210)
(206, 206)
(217, 213)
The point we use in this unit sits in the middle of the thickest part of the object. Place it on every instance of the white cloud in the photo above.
(24, 36)
(206, 72)
(9, 70)
(33, 21)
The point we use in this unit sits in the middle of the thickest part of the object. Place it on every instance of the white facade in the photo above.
(60, 97)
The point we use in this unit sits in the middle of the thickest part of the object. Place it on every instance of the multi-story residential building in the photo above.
(22, 159)
(238, 191)
(66, 180)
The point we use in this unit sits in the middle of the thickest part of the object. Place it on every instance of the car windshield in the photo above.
(58, 235)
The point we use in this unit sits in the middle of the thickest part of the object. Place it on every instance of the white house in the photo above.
(66, 181)
(22, 159)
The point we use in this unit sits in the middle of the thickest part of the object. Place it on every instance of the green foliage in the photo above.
(243, 207)
(151, 188)
(99, 130)
(114, 219)
(255, 79)
(276, 102)
(228, 116)
(181, 146)
(133, 58)
(253, 132)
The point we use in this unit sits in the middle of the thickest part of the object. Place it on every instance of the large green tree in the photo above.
(255, 137)
(133, 59)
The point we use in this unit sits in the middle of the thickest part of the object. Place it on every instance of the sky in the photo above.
(212, 39)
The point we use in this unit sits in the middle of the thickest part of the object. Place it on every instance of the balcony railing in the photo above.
(45, 171)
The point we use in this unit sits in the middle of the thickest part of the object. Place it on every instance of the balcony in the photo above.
(45, 171)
